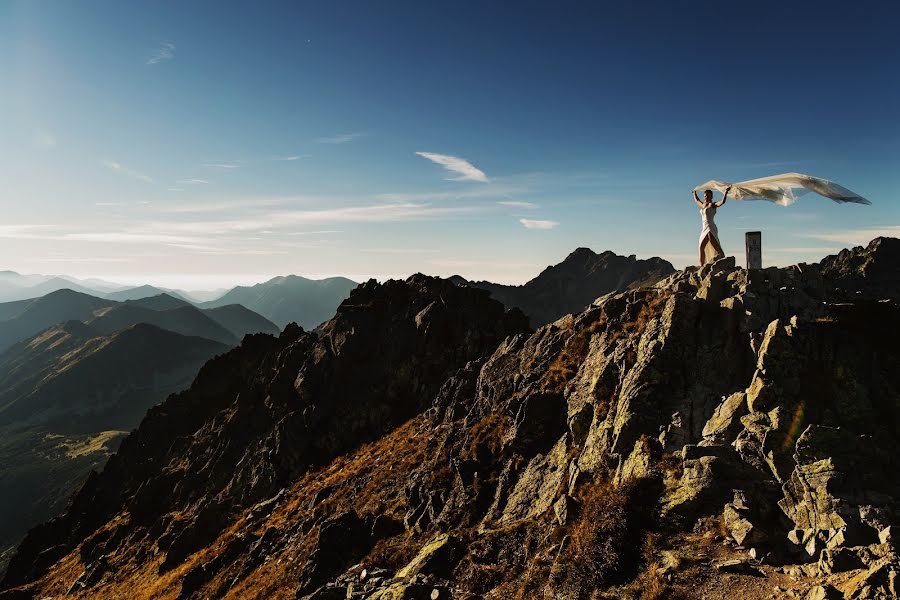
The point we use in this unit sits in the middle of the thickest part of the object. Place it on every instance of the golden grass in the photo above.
(358, 486)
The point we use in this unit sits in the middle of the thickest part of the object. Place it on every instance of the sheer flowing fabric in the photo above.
(783, 189)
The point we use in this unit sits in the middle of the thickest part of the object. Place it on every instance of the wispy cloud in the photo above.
(410, 251)
(341, 138)
(223, 165)
(165, 51)
(518, 204)
(291, 157)
(856, 237)
(465, 170)
(538, 224)
(119, 167)
(194, 181)
(492, 190)
(227, 205)
(773, 165)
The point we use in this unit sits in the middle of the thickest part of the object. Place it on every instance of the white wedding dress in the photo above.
(708, 214)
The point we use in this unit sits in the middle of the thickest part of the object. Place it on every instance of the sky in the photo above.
(207, 144)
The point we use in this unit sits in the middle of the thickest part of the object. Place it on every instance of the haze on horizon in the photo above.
(206, 144)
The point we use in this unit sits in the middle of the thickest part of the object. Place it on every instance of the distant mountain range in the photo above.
(77, 371)
(68, 396)
(228, 324)
(574, 283)
(282, 300)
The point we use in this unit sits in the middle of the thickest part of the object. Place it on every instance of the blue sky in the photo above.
(202, 144)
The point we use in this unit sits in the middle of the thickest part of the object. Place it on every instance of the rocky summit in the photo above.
(720, 433)
(574, 283)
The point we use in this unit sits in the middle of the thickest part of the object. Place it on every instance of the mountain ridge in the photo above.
(572, 284)
(290, 298)
(428, 442)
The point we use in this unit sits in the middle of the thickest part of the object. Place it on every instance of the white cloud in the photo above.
(518, 204)
(194, 181)
(341, 138)
(165, 51)
(537, 224)
(115, 166)
(466, 170)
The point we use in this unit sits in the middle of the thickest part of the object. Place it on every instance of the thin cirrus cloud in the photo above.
(120, 168)
(291, 157)
(856, 237)
(538, 224)
(222, 165)
(194, 181)
(341, 138)
(465, 170)
(518, 204)
(165, 51)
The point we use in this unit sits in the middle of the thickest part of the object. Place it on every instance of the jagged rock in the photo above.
(878, 582)
(326, 593)
(710, 474)
(739, 567)
(828, 485)
(741, 530)
(575, 282)
(823, 592)
(437, 557)
(870, 272)
(539, 484)
(563, 509)
(724, 424)
(411, 591)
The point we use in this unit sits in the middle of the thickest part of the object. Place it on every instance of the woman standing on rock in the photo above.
(710, 248)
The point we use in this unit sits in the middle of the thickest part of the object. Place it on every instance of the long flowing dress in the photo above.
(708, 213)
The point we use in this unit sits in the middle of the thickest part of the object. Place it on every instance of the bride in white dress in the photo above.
(710, 248)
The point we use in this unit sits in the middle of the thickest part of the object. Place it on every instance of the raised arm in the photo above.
(697, 199)
(724, 197)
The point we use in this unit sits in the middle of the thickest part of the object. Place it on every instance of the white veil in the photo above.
(784, 189)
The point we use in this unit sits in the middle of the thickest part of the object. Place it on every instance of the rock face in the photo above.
(676, 437)
(574, 283)
(872, 272)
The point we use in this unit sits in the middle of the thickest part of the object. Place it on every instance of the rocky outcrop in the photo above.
(872, 272)
(718, 430)
(573, 284)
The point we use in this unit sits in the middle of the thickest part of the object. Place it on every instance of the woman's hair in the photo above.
(707, 193)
